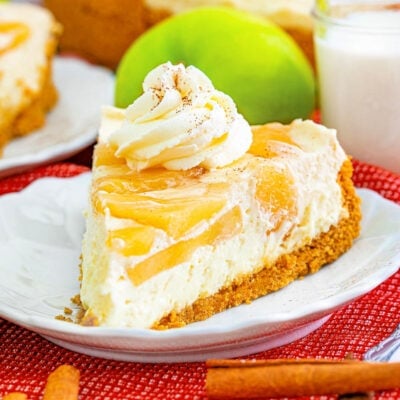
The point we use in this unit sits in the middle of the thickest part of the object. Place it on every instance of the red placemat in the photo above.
(27, 359)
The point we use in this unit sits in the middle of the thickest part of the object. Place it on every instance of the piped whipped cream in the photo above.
(179, 122)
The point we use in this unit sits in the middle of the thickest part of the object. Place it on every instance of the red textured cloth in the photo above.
(27, 359)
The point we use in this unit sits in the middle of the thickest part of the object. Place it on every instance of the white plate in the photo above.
(72, 124)
(40, 234)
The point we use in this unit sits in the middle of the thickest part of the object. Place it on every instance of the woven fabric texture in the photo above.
(26, 359)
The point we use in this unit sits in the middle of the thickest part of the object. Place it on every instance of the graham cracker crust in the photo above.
(309, 259)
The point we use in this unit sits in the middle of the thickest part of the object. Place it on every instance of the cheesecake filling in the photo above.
(158, 240)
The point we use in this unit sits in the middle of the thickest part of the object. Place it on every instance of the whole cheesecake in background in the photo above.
(28, 40)
(192, 211)
(294, 16)
(102, 30)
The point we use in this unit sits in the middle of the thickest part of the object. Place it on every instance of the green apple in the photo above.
(248, 58)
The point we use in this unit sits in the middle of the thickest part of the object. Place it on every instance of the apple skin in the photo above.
(248, 58)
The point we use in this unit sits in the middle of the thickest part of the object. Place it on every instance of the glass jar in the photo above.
(357, 47)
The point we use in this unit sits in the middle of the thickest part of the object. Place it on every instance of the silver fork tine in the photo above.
(385, 349)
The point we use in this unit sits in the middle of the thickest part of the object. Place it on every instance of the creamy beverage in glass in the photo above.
(358, 63)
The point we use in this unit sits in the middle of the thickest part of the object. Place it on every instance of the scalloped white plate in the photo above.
(40, 235)
(73, 123)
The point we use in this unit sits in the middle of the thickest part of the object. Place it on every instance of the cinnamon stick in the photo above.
(15, 396)
(62, 384)
(250, 379)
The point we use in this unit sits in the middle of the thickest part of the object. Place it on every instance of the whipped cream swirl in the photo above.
(179, 122)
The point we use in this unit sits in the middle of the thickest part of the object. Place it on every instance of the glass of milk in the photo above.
(358, 63)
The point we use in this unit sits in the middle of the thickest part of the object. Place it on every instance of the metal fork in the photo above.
(385, 349)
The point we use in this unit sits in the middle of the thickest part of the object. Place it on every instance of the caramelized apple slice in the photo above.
(131, 241)
(263, 134)
(123, 180)
(277, 193)
(225, 227)
(105, 155)
(174, 216)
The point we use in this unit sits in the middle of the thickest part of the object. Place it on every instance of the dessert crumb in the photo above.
(62, 317)
(74, 313)
(67, 311)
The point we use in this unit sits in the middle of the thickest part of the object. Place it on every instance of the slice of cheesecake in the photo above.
(191, 212)
(28, 40)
